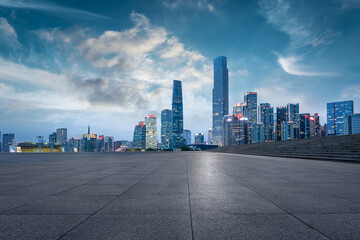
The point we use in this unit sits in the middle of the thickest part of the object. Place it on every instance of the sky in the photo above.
(109, 63)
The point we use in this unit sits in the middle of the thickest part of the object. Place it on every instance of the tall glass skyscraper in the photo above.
(337, 112)
(220, 98)
(235, 130)
(281, 116)
(187, 136)
(293, 117)
(266, 116)
(250, 99)
(352, 124)
(166, 127)
(177, 116)
(304, 125)
(151, 132)
(139, 136)
(7, 139)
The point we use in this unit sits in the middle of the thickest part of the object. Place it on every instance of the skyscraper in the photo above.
(139, 138)
(337, 112)
(266, 116)
(220, 97)
(7, 139)
(210, 136)
(304, 125)
(151, 132)
(61, 136)
(317, 125)
(281, 116)
(293, 116)
(352, 124)
(177, 116)
(187, 136)
(250, 99)
(235, 130)
(166, 127)
(239, 108)
(199, 138)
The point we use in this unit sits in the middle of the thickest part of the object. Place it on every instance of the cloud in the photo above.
(351, 93)
(6, 30)
(199, 4)
(291, 65)
(49, 7)
(111, 74)
(299, 25)
(350, 4)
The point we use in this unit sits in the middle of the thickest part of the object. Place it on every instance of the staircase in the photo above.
(339, 148)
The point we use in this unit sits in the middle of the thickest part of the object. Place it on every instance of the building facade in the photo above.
(266, 116)
(304, 125)
(151, 132)
(187, 136)
(281, 116)
(199, 138)
(220, 97)
(139, 137)
(235, 130)
(177, 116)
(294, 117)
(352, 124)
(337, 112)
(61, 136)
(7, 139)
(166, 128)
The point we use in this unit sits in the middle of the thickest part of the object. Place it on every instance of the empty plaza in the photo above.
(177, 195)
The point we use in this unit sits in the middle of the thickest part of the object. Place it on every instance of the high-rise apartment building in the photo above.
(220, 97)
(7, 139)
(281, 116)
(177, 116)
(187, 136)
(151, 132)
(210, 136)
(294, 117)
(266, 116)
(235, 130)
(61, 136)
(250, 99)
(337, 112)
(139, 137)
(239, 108)
(304, 125)
(352, 124)
(166, 128)
(199, 138)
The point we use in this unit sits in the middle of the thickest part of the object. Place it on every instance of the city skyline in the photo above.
(56, 73)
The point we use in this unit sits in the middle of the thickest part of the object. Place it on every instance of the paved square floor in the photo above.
(176, 195)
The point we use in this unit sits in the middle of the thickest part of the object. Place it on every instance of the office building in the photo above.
(109, 144)
(317, 125)
(337, 112)
(266, 116)
(287, 130)
(139, 138)
(101, 143)
(294, 117)
(210, 136)
(166, 128)
(239, 108)
(235, 130)
(7, 140)
(151, 132)
(352, 124)
(187, 137)
(177, 116)
(61, 136)
(220, 97)
(250, 99)
(281, 116)
(257, 133)
(199, 138)
(304, 125)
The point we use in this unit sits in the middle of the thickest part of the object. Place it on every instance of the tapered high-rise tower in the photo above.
(220, 98)
(177, 116)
